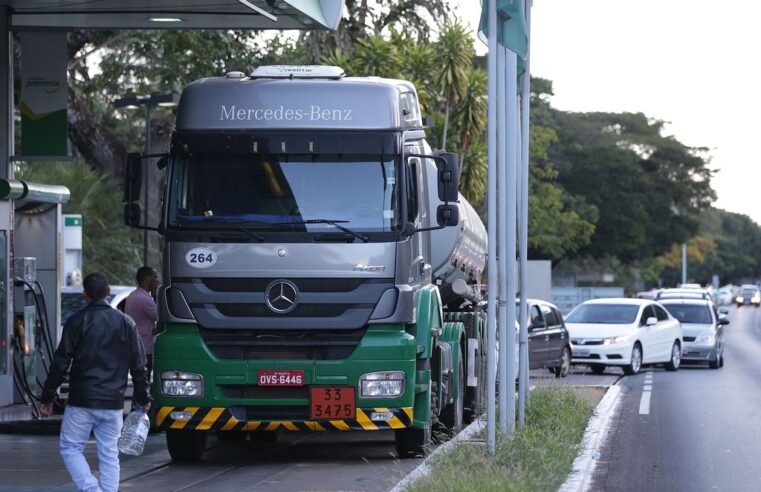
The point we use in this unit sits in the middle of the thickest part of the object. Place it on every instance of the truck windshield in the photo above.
(286, 192)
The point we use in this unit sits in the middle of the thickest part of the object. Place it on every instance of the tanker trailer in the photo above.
(321, 271)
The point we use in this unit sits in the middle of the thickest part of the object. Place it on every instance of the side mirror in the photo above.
(723, 321)
(133, 178)
(651, 321)
(448, 164)
(132, 214)
(448, 215)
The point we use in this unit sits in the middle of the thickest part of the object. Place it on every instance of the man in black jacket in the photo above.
(101, 345)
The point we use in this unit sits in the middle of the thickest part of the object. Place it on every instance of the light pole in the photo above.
(147, 102)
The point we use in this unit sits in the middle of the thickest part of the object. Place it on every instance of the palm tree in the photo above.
(470, 116)
(455, 55)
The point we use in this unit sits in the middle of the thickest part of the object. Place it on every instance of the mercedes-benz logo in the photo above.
(281, 296)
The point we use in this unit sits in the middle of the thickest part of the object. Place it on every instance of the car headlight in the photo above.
(706, 339)
(178, 383)
(613, 340)
(740, 299)
(381, 384)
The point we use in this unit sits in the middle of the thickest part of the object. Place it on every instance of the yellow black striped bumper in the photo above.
(213, 418)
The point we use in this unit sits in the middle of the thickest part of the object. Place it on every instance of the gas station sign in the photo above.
(43, 94)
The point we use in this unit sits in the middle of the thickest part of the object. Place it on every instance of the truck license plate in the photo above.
(280, 378)
(332, 402)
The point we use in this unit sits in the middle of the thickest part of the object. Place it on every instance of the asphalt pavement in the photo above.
(693, 430)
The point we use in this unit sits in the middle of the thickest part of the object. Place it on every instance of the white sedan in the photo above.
(626, 333)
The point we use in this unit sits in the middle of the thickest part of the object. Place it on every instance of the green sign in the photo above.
(73, 222)
(511, 25)
(43, 94)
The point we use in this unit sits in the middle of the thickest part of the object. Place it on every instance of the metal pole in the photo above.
(505, 355)
(491, 327)
(511, 74)
(523, 183)
(145, 180)
(684, 263)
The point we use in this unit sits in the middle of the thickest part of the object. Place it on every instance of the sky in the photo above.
(691, 63)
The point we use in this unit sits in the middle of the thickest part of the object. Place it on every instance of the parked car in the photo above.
(749, 295)
(682, 293)
(724, 296)
(624, 332)
(73, 299)
(702, 330)
(548, 342)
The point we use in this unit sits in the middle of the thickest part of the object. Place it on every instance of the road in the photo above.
(300, 461)
(696, 429)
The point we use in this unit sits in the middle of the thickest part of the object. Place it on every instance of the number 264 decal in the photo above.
(200, 258)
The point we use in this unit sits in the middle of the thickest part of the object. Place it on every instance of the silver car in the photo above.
(703, 330)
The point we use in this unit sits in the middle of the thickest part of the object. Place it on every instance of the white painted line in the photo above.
(424, 469)
(644, 403)
(648, 387)
(594, 437)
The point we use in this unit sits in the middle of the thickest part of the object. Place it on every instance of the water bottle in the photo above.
(134, 433)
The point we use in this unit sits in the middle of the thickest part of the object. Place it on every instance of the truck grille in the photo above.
(264, 392)
(321, 303)
(279, 345)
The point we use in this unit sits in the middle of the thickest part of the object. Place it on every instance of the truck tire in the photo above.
(185, 445)
(412, 443)
(475, 400)
(452, 415)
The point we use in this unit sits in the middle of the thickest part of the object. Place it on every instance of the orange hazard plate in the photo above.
(334, 402)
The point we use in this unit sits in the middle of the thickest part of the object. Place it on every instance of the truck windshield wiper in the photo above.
(226, 228)
(334, 223)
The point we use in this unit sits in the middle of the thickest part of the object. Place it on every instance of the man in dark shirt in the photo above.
(101, 345)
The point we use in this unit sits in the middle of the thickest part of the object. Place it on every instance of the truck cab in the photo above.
(314, 247)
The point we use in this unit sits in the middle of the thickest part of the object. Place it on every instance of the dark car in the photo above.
(548, 342)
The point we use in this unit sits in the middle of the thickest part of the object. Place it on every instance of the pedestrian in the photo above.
(101, 345)
(141, 307)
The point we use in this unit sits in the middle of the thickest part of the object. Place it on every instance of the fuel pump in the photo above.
(25, 322)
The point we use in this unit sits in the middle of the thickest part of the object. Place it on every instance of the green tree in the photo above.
(454, 61)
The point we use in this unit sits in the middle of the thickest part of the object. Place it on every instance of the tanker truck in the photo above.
(321, 271)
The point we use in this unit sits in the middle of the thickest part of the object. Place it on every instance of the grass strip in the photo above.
(538, 457)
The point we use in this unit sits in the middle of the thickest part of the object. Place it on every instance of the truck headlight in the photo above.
(178, 383)
(706, 340)
(381, 384)
(613, 340)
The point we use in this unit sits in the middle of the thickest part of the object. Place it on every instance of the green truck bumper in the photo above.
(233, 401)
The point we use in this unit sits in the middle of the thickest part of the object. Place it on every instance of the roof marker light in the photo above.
(165, 19)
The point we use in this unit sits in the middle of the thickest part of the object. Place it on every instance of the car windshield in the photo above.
(286, 192)
(614, 314)
(749, 292)
(690, 313)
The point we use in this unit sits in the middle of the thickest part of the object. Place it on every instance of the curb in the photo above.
(595, 435)
(424, 469)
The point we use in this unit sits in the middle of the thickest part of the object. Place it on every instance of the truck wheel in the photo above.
(185, 445)
(452, 415)
(412, 443)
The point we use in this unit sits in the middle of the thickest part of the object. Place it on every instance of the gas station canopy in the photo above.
(175, 14)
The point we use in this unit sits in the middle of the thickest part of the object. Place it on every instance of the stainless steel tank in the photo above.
(458, 256)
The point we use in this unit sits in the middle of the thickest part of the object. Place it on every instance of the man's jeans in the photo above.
(77, 424)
